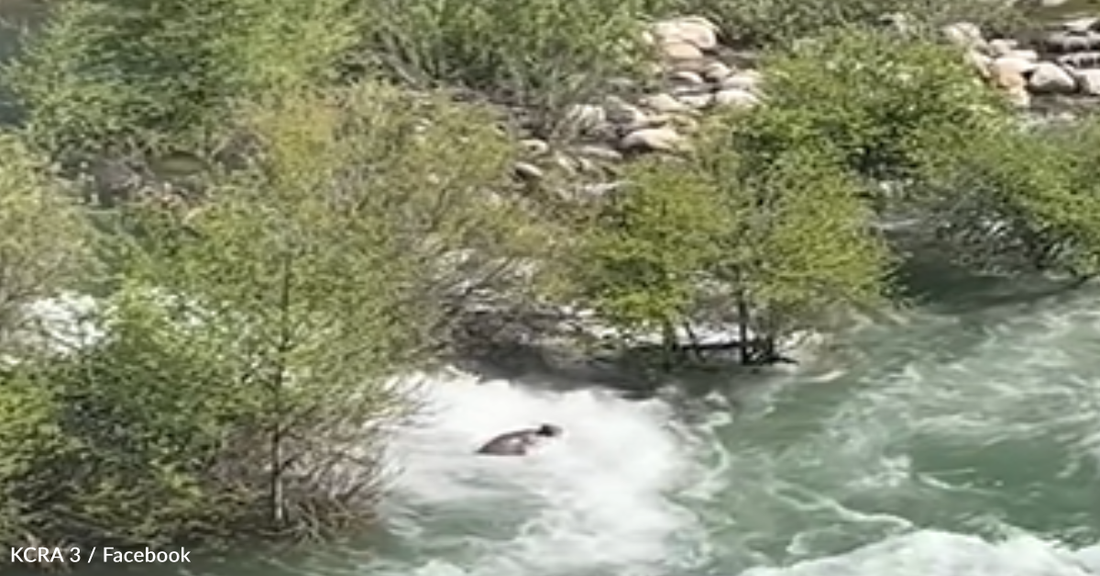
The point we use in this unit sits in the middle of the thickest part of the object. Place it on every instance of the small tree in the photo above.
(800, 247)
(249, 352)
(715, 237)
(643, 258)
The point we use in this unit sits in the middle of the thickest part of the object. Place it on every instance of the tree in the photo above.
(1020, 199)
(641, 261)
(801, 246)
(165, 76)
(244, 385)
(884, 102)
(717, 238)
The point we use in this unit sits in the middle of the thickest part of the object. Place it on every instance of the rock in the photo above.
(716, 72)
(680, 91)
(1002, 46)
(676, 51)
(1088, 81)
(965, 35)
(749, 80)
(535, 147)
(569, 163)
(663, 103)
(1025, 55)
(737, 98)
(1067, 41)
(1018, 96)
(653, 139)
(697, 101)
(619, 112)
(599, 152)
(649, 121)
(1050, 78)
(527, 171)
(980, 62)
(687, 77)
(1081, 25)
(1009, 73)
(684, 124)
(1080, 60)
(693, 30)
(585, 117)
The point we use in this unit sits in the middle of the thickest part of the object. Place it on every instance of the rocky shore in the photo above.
(694, 73)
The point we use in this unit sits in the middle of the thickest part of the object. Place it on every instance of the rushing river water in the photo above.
(954, 443)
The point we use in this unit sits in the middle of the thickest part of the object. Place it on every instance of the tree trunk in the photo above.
(668, 345)
(743, 319)
(694, 340)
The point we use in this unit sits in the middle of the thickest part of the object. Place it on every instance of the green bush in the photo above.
(538, 53)
(885, 103)
(166, 75)
(780, 22)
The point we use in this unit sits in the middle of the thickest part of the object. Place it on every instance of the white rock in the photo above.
(1014, 64)
(1002, 46)
(748, 80)
(697, 101)
(664, 103)
(717, 71)
(1089, 81)
(675, 50)
(1081, 25)
(694, 30)
(654, 139)
(1050, 78)
(737, 98)
(1021, 54)
(687, 77)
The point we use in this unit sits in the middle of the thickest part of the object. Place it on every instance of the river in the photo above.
(962, 439)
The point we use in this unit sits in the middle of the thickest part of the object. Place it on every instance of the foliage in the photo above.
(778, 22)
(642, 259)
(537, 53)
(42, 237)
(717, 237)
(884, 102)
(801, 242)
(167, 74)
(1022, 198)
(243, 383)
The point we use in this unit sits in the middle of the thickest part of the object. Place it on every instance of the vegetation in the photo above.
(341, 213)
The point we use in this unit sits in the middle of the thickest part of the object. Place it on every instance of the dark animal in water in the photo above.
(519, 442)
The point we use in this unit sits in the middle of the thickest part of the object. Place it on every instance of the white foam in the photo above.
(933, 553)
(593, 500)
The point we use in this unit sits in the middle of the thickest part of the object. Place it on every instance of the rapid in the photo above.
(952, 441)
